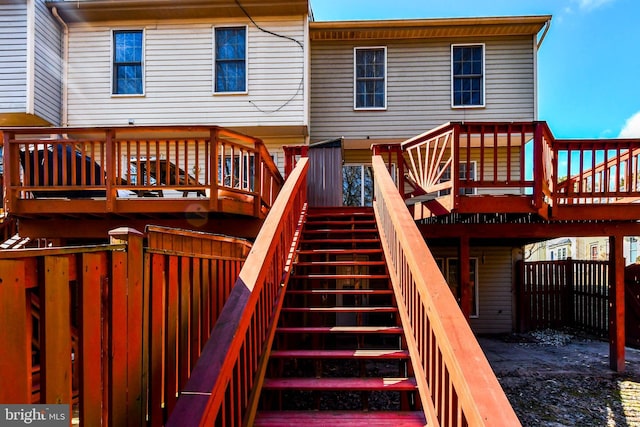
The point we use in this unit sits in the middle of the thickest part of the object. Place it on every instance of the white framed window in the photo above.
(451, 275)
(562, 253)
(370, 78)
(357, 185)
(462, 173)
(230, 60)
(467, 75)
(127, 71)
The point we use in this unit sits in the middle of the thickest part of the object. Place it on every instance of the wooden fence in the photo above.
(112, 330)
(571, 293)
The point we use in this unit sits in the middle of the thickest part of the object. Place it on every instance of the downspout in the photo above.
(31, 61)
(65, 62)
(544, 33)
(537, 44)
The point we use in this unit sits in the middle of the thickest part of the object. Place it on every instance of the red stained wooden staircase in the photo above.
(339, 354)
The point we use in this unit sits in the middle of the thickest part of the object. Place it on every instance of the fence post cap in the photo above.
(123, 234)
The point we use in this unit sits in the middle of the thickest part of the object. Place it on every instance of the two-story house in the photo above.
(268, 70)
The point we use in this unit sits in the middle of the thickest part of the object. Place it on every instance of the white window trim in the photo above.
(362, 167)
(446, 263)
(474, 190)
(355, 93)
(474, 168)
(484, 76)
(144, 65)
(246, 60)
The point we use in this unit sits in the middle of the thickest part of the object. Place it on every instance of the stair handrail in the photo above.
(221, 384)
(456, 383)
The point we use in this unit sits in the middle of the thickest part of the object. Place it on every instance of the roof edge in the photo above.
(428, 28)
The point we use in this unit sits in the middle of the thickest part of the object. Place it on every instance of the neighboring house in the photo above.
(31, 61)
(377, 82)
(582, 248)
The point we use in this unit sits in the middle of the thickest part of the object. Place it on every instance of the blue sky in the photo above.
(588, 65)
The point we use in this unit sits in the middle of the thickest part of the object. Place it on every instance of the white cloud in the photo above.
(631, 128)
(589, 5)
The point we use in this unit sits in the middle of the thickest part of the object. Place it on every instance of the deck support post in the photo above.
(134, 306)
(464, 279)
(616, 304)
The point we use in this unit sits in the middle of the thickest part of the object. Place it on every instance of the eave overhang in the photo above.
(139, 10)
(428, 28)
(21, 119)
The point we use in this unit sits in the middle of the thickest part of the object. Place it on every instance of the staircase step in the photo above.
(340, 263)
(339, 291)
(311, 222)
(341, 329)
(346, 213)
(342, 354)
(315, 231)
(342, 309)
(339, 241)
(340, 251)
(334, 418)
(339, 276)
(341, 384)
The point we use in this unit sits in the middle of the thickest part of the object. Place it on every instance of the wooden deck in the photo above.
(494, 167)
(135, 173)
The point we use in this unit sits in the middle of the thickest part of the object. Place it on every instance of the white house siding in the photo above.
(418, 87)
(13, 57)
(495, 284)
(179, 77)
(48, 65)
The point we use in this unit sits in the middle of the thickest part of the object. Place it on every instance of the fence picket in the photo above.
(15, 348)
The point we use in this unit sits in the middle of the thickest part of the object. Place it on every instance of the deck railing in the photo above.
(226, 381)
(598, 171)
(480, 159)
(518, 168)
(457, 386)
(209, 163)
(112, 330)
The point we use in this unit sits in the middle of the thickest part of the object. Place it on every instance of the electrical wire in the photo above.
(283, 36)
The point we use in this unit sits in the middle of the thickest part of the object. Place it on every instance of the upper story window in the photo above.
(127, 62)
(230, 60)
(370, 75)
(467, 75)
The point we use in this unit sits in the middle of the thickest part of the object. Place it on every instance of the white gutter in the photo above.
(65, 68)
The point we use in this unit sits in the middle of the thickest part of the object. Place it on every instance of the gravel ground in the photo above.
(557, 379)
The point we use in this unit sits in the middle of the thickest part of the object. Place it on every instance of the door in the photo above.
(324, 179)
